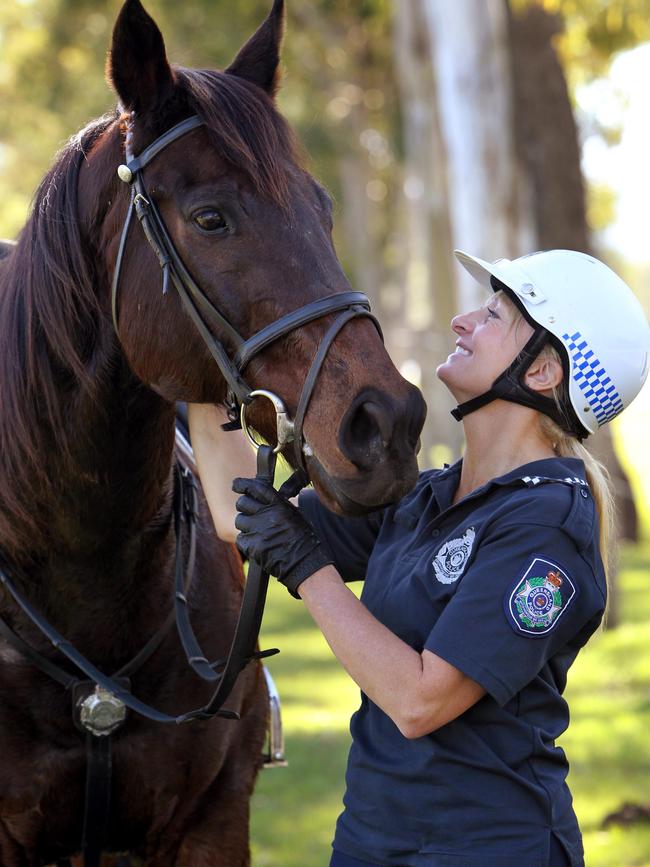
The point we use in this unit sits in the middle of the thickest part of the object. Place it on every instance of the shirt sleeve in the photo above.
(348, 540)
(527, 594)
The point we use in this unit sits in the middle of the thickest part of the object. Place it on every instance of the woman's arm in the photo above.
(420, 692)
(220, 456)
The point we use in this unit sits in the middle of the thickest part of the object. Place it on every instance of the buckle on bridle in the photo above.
(284, 425)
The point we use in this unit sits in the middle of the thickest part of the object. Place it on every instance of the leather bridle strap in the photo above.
(91, 671)
(346, 301)
(242, 650)
(183, 499)
(206, 317)
(314, 370)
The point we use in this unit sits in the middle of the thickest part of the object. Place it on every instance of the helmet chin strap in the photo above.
(510, 386)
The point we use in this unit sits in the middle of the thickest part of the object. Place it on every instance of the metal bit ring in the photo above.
(283, 422)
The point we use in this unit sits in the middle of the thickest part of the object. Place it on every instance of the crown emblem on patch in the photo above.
(554, 579)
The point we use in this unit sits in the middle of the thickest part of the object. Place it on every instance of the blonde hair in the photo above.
(566, 445)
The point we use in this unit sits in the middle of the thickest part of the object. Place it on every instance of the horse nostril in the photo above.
(377, 428)
(376, 421)
(366, 432)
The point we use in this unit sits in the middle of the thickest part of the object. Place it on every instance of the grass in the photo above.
(608, 743)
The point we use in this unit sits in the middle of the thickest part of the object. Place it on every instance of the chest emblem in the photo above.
(449, 563)
(540, 597)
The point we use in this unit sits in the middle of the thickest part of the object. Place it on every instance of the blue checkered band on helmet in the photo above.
(598, 389)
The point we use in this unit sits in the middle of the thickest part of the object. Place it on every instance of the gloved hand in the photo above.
(273, 532)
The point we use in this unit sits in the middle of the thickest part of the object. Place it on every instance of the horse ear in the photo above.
(259, 60)
(137, 63)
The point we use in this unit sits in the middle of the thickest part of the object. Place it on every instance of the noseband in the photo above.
(210, 322)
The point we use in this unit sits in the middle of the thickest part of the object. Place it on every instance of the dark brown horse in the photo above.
(87, 434)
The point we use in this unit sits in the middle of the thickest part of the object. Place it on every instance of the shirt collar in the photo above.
(567, 470)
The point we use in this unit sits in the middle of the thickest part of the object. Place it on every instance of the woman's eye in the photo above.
(211, 220)
(492, 313)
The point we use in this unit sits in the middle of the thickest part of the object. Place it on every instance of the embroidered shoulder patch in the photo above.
(449, 563)
(539, 598)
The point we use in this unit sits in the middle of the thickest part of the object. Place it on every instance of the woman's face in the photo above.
(488, 340)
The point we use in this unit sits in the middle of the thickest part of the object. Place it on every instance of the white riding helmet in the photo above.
(591, 314)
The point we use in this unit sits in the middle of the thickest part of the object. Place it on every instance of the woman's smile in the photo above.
(461, 350)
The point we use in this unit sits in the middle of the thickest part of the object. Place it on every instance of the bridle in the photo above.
(204, 315)
(100, 700)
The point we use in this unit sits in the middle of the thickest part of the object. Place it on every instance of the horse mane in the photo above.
(47, 301)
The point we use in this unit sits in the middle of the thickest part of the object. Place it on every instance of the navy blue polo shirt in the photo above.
(506, 585)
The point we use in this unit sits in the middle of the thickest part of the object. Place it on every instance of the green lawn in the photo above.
(608, 742)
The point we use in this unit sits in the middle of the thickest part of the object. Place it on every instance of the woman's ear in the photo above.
(544, 374)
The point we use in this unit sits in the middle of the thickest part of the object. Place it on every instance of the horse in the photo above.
(88, 387)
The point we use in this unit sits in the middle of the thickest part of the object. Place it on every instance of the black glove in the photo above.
(273, 532)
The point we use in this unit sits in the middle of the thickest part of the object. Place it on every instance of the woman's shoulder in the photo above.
(558, 498)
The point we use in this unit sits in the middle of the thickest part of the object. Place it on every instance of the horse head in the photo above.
(253, 228)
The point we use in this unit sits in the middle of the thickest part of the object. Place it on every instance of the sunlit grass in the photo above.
(295, 808)
(608, 743)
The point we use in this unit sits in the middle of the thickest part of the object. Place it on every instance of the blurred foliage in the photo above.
(601, 206)
(52, 58)
(595, 30)
(591, 33)
(339, 90)
(295, 809)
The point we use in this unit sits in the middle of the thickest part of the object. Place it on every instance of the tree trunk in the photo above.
(463, 186)
(428, 276)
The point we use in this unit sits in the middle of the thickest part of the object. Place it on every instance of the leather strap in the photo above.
(50, 668)
(99, 765)
(314, 370)
(510, 386)
(242, 650)
(206, 317)
(297, 318)
(136, 164)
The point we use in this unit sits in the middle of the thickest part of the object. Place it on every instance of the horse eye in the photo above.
(210, 220)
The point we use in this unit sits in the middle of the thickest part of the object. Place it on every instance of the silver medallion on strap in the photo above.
(101, 713)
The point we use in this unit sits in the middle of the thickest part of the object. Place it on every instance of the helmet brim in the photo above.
(508, 273)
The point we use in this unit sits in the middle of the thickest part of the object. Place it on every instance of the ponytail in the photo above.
(565, 445)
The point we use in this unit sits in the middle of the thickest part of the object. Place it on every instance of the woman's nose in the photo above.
(462, 323)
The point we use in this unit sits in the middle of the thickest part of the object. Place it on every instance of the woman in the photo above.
(480, 586)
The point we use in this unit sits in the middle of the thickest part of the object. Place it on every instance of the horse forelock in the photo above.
(244, 127)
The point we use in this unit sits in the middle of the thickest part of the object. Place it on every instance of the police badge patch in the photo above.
(449, 563)
(539, 598)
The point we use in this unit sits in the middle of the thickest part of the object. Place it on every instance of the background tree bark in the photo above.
(464, 186)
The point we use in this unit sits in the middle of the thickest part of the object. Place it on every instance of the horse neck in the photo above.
(86, 501)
